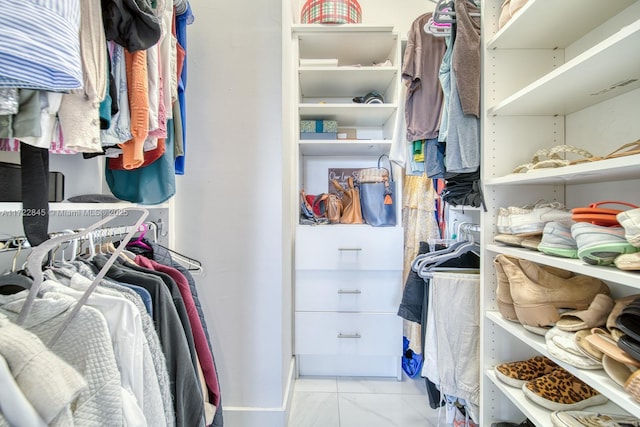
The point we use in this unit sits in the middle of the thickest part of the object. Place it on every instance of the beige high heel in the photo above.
(537, 294)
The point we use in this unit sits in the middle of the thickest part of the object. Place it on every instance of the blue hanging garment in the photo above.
(411, 362)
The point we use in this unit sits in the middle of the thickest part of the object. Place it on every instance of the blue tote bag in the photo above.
(378, 195)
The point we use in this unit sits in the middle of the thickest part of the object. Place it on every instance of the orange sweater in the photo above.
(138, 91)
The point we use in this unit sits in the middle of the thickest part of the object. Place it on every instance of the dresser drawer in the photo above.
(349, 247)
(348, 334)
(352, 290)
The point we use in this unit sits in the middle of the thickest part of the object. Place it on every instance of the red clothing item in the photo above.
(199, 338)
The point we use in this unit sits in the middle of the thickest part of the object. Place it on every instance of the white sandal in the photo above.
(553, 158)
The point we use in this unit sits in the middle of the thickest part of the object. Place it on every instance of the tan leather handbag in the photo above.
(329, 206)
(351, 209)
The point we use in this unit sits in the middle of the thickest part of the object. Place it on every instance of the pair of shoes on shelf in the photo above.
(563, 346)
(600, 245)
(503, 221)
(586, 418)
(509, 8)
(548, 385)
(630, 262)
(528, 242)
(558, 241)
(532, 223)
(533, 294)
(553, 157)
(630, 221)
(530, 220)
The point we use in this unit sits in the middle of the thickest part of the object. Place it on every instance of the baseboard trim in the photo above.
(251, 416)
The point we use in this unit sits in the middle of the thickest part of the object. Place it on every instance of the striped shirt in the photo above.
(39, 44)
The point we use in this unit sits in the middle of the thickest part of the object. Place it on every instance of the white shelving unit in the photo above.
(346, 289)
(557, 73)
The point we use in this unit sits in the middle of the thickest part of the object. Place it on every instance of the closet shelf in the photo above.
(333, 82)
(373, 115)
(564, 22)
(349, 44)
(586, 80)
(344, 147)
(597, 378)
(607, 273)
(537, 414)
(616, 169)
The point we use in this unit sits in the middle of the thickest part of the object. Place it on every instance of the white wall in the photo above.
(235, 208)
(229, 204)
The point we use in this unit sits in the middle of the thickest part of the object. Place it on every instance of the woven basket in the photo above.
(331, 12)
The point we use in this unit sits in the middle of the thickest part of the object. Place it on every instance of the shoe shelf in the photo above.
(607, 170)
(556, 73)
(564, 22)
(606, 273)
(538, 415)
(596, 378)
(583, 81)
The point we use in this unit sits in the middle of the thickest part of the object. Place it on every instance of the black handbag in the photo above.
(378, 195)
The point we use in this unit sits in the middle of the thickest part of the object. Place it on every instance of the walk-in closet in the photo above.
(320, 213)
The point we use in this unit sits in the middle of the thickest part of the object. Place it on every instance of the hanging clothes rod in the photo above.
(13, 243)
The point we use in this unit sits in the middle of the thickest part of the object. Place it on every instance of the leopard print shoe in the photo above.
(561, 391)
(516, 374)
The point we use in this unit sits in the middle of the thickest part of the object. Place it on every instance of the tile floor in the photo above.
(361, 402)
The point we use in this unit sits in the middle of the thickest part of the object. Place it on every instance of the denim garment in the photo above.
(434, 158)
(414, 167)
(120, 127)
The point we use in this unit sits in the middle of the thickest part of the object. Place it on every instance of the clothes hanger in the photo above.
(191, 264)
(453, 251)
(423, 259)
(109, 248)
(139, 241)
(62, 261)
(426, 271)
(37, 256)
(437, 29)
(13, 282)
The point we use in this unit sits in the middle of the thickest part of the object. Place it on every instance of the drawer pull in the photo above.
(349, 249)
(352, 292)
(356, 335)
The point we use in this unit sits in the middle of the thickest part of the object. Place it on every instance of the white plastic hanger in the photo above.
(37, 256)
